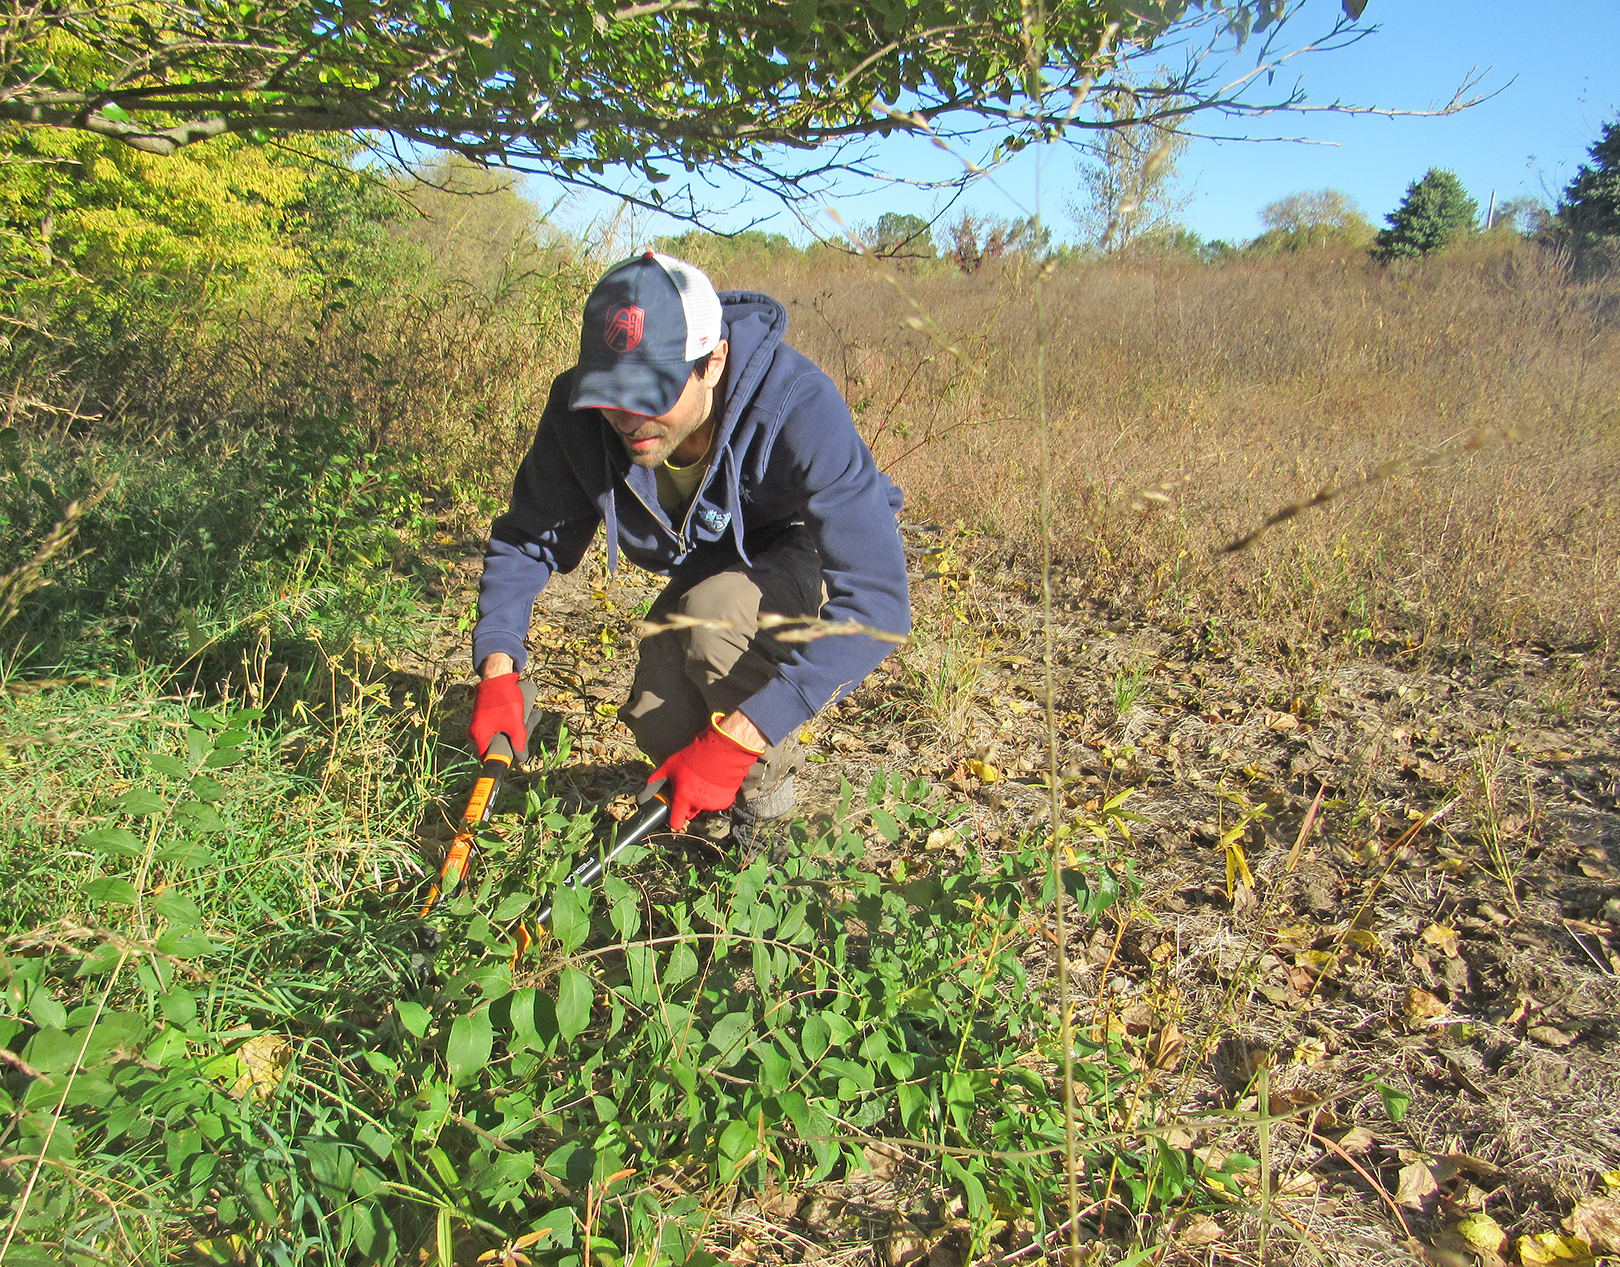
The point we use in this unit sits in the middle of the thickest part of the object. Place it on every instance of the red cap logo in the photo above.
(623, 331)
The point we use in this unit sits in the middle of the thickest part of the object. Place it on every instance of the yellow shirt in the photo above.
(676, 484)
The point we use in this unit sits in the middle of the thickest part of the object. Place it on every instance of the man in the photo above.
(718, 456)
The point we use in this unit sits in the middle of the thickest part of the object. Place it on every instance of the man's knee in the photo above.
(728, 605)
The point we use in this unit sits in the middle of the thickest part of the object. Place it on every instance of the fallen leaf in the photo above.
(1416, 1182)
(264, 1059)
(1198, 1229)
(1545, 1248)
(983, 771)
(1551, 1036)
(1597, 1222)
(906, 1244)
(1482, 1232)
(941, 837)
(1438, 1255)
(1421, 1006)
(1441, 938)
(1164, 1049)
(1357, 1139)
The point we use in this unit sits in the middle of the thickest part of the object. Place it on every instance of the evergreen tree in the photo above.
(1591, 205)
(1436, 210)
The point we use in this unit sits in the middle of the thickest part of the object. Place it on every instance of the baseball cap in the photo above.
(646, 323)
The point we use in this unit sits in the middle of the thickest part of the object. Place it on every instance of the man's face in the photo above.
(684, 432)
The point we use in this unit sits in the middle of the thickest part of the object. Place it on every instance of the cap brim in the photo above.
(638, 387)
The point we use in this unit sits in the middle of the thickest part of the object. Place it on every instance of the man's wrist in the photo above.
(496, 664)
(736, 725)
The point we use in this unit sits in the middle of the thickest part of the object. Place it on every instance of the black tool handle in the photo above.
(644, 824)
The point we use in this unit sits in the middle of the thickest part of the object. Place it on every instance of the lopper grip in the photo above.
(498, 760)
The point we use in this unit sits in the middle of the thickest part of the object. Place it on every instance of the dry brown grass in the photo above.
(1226, 393)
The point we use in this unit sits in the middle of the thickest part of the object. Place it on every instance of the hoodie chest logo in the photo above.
(715, 521)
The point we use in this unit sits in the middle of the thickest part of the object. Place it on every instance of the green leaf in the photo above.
(885, 823)
(207, 789)
(199, 816)
(111, 889)
(911, 1099)
(512, 905)
(737, 1140)
(472, 1038)
(379, 1142)
(171, 766)
(534, 1021)
(47, 1009)
(1396, 1101)
(575, 995)
(183, 943)
(177, 909)
(188, 854)
(413, 1016)
(140, 801)
(570, 922)
(51, 1050)
(727, 1035)
(113, 840)
(816, 1037)
(179, 1005)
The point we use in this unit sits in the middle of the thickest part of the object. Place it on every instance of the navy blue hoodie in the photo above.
(786, 452)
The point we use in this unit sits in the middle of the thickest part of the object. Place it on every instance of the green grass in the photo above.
(226, 1028)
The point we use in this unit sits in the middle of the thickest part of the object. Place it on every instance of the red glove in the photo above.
(497, 710)
(705, 775)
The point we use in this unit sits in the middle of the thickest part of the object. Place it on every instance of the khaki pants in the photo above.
(686, 675)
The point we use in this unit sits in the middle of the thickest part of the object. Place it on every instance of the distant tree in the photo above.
(1525, 215)
(1129, 178)
(1590, 207)
(902, 236)
(975, 240)
(474, 223)
(724, 254)
(1435, 212)
(1311, 219)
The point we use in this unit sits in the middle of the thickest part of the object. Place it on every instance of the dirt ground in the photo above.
(1358, 864)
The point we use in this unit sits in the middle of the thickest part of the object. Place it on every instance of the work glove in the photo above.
(704, 775)
(498, 709)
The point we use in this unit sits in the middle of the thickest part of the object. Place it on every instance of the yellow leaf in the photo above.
(806, 734)
(1363, 939)
(1545, 1248)
(1420, 1005)
(1483, 1231)
(1442, 939)
(983, 771)
(1611, 1178)
(264, 1060)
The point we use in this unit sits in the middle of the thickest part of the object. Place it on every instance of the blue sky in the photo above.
(1555, 71)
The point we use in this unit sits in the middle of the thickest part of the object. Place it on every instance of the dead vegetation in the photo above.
(1191, 402)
